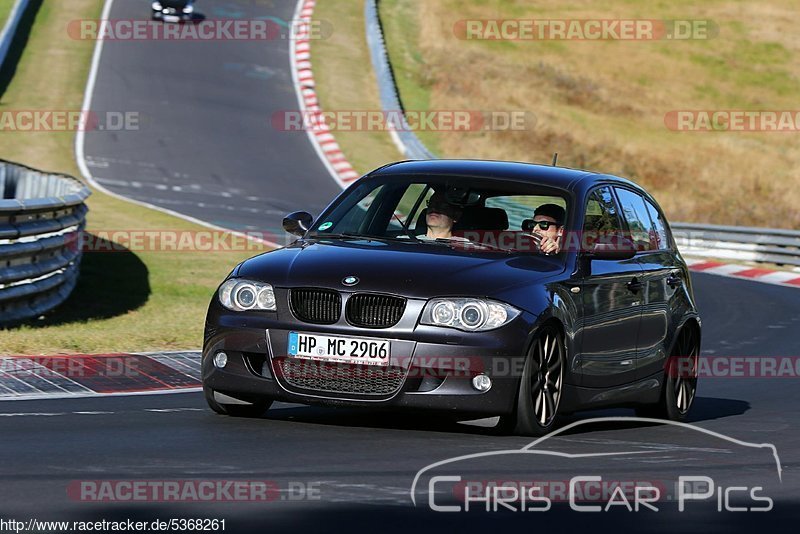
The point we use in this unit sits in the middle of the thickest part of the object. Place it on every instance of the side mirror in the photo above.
(620, 249)
(298, 223)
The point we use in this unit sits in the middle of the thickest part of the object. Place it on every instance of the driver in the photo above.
(548, 225)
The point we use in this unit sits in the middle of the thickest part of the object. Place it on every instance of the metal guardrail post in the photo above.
(404, 136)
(766, 245)
(10, 28)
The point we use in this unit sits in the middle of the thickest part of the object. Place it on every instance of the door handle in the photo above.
(634, 286)
(674, 280)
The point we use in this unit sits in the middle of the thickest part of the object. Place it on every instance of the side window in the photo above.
(635, 212)
(601, 221)
(659, 227)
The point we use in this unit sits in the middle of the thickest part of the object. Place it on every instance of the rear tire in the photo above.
(255, 409)
(680, 381)
(540, 388)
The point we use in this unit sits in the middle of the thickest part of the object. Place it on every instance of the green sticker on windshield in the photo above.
(325, 226)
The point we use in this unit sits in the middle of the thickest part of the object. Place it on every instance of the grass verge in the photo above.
(125, 301)
(5, 10)
(345, 81)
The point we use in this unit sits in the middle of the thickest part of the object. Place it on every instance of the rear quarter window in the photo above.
(636, 215)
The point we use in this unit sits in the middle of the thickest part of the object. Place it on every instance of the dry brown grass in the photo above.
(601, 105)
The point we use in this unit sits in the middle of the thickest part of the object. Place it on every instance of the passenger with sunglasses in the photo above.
(440, 217)
(547, 227)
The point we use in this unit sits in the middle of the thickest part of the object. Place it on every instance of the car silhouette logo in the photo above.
(350, 281)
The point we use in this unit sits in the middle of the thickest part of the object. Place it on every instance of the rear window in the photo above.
(659, 226)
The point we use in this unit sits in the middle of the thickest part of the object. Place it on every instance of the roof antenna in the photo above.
(555, 158)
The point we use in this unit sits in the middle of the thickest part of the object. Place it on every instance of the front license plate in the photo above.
(339, 349)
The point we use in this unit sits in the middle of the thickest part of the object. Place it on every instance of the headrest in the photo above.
(482, 218)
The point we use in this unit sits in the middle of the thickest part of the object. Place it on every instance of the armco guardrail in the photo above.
(42, 216)
(727, 242)
(10, 28)
(406, 139)
(769, 245)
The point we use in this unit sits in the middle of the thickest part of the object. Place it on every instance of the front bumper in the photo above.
(176, 16)
(436, 365)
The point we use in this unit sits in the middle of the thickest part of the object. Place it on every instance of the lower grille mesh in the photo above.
(339, 377)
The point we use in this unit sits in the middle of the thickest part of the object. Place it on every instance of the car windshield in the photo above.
(462, 213)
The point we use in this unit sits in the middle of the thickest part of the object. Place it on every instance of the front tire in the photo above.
(540, 389)
(255, 409)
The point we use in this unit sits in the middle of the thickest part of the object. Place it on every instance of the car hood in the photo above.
(412, 270)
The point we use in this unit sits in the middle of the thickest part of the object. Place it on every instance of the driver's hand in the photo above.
(549, 245)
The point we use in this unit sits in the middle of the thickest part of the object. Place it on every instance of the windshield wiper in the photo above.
(341, 235)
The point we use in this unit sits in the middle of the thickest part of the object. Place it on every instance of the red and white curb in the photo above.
(91, 375)
(743, 272)
(320, 135)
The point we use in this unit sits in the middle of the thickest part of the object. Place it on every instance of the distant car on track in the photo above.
(365, 309)
(173, 10)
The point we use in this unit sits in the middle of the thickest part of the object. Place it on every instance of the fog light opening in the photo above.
(220, 360)
(482, 383)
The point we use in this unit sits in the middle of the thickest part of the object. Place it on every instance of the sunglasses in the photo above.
(544, 225)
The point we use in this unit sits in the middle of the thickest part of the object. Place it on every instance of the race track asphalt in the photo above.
(359, 465)
(204, 145)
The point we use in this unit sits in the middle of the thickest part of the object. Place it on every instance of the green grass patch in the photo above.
(346, 82)
(413, 74)
(127, 300)
(5, 10)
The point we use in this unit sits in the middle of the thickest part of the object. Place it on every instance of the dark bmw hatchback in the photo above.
(475, 288)
(173, 10)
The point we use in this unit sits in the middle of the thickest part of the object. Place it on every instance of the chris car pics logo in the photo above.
(452, 485)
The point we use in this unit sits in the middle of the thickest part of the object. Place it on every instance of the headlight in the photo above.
(468, 314)
(188, 9)
(157, 6)
(239, 295)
